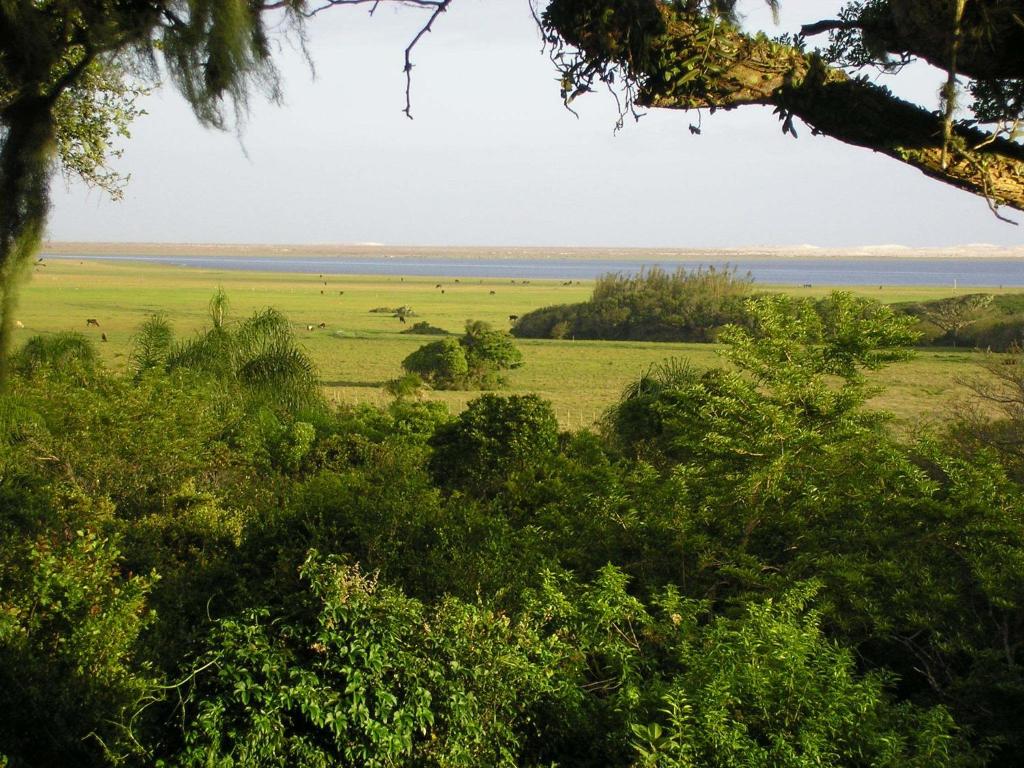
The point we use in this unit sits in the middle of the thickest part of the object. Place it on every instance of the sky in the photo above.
(493, 158)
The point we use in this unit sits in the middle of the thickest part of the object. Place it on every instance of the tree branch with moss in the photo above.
(693, 55)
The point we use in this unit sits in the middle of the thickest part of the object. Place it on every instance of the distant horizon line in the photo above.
(157, 248)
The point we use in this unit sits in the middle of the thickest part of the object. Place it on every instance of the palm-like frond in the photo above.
(260, 355)
(152, 345)
(65, 353)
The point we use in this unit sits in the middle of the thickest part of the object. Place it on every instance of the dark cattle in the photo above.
(438, 285)
(103, 337)
(92, 321)
(401, 318)
(513, 318)
(807, 285)
(492, 293)
(322, 325)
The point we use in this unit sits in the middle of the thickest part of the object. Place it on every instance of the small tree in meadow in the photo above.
(472, 361)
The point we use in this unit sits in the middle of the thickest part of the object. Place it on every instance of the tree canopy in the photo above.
(695, 55)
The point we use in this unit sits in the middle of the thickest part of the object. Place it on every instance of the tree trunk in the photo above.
(26, 160)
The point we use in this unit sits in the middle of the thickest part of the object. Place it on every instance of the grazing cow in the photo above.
(341, 293)
(492, 293)
(438, 285)
(321, 291)
(103, 337)
(442, 290)
(807, 285)
(18, 324)
(310, 327)
(92, 321)
(513, 318)
(322, 325)
(401, 318)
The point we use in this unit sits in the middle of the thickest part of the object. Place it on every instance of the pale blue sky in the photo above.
(493, 158)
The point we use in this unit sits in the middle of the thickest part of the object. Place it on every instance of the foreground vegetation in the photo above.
(201, 564)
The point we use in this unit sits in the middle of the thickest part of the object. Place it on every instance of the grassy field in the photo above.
(358, 350)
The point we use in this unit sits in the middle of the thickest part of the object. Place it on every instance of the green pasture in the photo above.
(358, 350)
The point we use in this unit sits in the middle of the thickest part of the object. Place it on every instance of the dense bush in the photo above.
(423, 328)
(473, 361)
(653, 305)
(744, 567)
(491, 440)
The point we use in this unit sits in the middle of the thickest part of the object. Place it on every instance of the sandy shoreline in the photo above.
(328, 251)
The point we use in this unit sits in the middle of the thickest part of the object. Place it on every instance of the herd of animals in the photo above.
(92, 322)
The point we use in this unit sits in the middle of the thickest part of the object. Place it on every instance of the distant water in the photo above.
(784, 271)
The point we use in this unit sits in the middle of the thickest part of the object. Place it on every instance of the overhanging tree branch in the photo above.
(693, 60)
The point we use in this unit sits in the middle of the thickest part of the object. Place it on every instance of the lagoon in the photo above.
(952, 272)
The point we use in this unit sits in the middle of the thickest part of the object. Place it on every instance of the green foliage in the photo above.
(441, 363)
(405, 386)
(423, 328)
(979, 320)
(798, 386)
(152, 344)
(259, 355)
(91, 116)
(361, 675)
(488, 351)
(66, 354)
(653, 305)
(70, 679)
(746, 568)
(474, 360)
(771, 689)
(994, 420)
(495, 437)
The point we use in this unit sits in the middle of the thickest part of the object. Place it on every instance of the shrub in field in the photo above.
(474, 360)
(441, 363)
(978, 320)
(259, 355)
(653, 305)
(423, 328)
